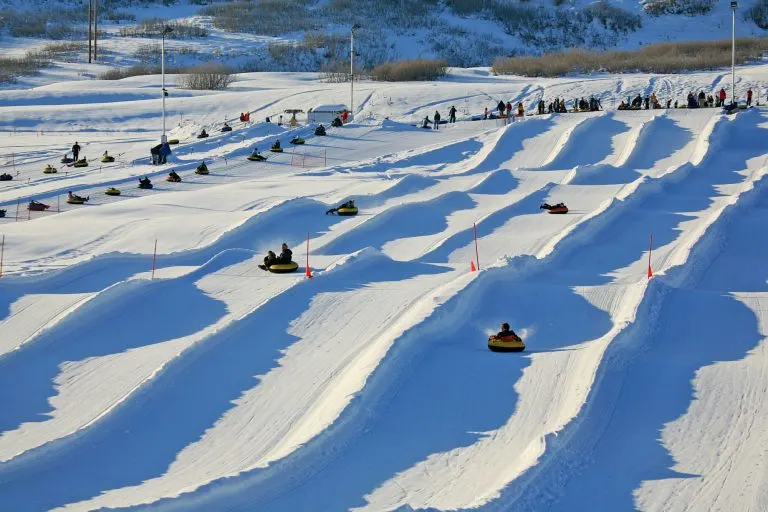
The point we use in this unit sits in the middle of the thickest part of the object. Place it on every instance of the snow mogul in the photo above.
(202, 169)
(282, 264)
(320, 131)
(559, 208)
(505, 341)
(256, 156)
(145, 183)
(347, 209)
(276, 148)
(76, 199)
(173, 177)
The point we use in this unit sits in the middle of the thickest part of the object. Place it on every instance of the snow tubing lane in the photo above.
(505, 344)
(346, 212)
(283, 268)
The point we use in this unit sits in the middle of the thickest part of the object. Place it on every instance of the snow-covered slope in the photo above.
(218, 386)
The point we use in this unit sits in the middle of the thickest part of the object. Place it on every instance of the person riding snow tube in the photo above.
(173, 177)
(320, 131)
(2, 214)
(276, 147)
(347, 209)
(36, 206)
(505, 341)
(83, 162)
(256, 156)
(226, 128)
(203, 134)
(6, 177)
(49, 169)
(202, 169)
(559, 208)
(66, 160)
(145, 183)
(105, 158)
(75, 199)
(337, 123)
(297, 140)
(112, 191)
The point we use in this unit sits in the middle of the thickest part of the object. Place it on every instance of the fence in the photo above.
(304, 158)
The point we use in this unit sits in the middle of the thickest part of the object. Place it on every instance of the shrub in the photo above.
(155, 26)
(13, 67)
(684, 7)
(657, 58)
(135, 70)
(465, 7)
(410, 70)
(207, 77)
(758, 13)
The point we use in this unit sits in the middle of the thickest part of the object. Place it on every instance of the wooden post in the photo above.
(90, 34)
(95, 30)
(477, 254)
(154, 259)
(2, 254)
(18, 201)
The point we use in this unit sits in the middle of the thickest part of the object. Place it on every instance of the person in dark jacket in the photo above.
(506, 332)
(286, 254)
(75, 151)
(437, 120)
(452, 114)
(348, 204)
(270, 259)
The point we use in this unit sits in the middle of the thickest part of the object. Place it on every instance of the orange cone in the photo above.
(650, 272)
(472, 266)
(308, 272)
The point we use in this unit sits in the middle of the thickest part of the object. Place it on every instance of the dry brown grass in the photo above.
(410, 70)
(657, 58)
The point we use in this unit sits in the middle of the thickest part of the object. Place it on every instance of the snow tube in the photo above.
(320, 133)
(276, 150)
(202, 136)
(81, 163)
(202, 170)
(298, 140)
(558, 209)
(67, 160)
(2, 214)
(226, 129)
(37, 207)
(283, 268)
(50, 170)
(347, 212)
(6, 177)
(173, 142)
(77, 200)
(173, 179)
(107, 159)
(257, 158)
(112, 191)
(145, 186)
(506, 344)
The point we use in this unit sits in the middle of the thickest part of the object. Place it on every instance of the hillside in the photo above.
(302, 35)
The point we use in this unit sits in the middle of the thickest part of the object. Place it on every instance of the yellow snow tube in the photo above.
(283, 268)
(76, 201)
(347, 211)
(80, 163)
(107, 159)
(506, 344)
(112, 191)
(50, 170)
(173, 142)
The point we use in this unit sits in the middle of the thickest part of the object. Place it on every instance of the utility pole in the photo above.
(163, 92)
(95, 30)
(734, 4)
(90, 35)
(352, 72)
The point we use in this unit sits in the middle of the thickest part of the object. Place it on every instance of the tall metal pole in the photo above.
(162, 92)
(352, 73)
(95, 30)
(733, 54)
(90, 34)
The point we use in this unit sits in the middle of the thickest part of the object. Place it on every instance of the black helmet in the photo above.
(505, 326)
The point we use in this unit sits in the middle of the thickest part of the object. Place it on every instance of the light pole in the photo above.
(352, 70)
(734, 4)
(163, 92)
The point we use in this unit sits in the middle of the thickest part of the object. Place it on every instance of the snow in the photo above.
(213, 385)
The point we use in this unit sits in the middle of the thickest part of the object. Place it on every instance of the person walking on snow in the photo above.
(437, 120)
(452, 115)
(75, 151)
(722, 97)
(749, 97)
